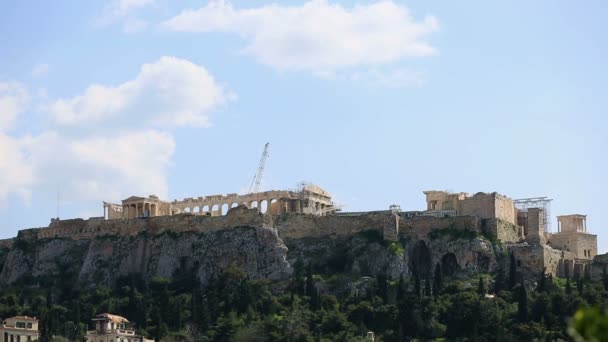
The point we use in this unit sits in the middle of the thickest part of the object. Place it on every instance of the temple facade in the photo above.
(308, 199)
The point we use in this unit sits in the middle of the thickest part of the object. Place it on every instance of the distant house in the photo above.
(113, 328)
(19, 329)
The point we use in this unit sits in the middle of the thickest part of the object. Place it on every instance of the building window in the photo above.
(29, 325)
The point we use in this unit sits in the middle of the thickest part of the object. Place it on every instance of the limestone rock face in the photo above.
(356, 255)
(257, 250)
(463, 256)
(102, 260)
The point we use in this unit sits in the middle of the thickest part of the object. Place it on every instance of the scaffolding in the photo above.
(544, 203)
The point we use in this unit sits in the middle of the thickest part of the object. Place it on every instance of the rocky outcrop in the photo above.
(366, 254)
(94, 252)
(102, 260)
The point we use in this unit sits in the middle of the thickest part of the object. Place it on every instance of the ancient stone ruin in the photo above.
(309, 213)
(309, 199)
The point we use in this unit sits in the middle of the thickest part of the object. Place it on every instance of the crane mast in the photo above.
(257, 178)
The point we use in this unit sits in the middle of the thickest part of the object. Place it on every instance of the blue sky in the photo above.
(375, 101)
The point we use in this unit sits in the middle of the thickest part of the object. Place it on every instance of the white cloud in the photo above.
(13, 100)
(134, 25)
(111, 166)
(171, 92)
(317, 35)
(122, 11)
(117, 9)
(120, 8)
(108, 142)
(40, 70)
(16, 173)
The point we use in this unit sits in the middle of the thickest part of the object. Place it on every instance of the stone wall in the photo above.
(502, 230)
(532, 260)
(87, 229)
(536, 226)
(505, 209)
(297, 226)
(288, 225)
(583, 245)
(418, 227)
(488, 206)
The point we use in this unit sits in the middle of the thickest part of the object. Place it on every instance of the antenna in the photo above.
(58, 200)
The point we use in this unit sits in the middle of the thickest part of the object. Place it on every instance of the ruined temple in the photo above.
(308, 198)
(461, 232)
(525, 231)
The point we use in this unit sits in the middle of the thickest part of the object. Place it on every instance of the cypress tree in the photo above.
(499, 280)
(401, 289)
(512, 272)
(579, 286)
(605, 279)
(45, 331)
(427, 287)
(542, 286)
(481, 289)
(161, 328)
(437, 280)
(382, 287)
(522, 310)
(568, 287)
(417, 289)
(310, 285)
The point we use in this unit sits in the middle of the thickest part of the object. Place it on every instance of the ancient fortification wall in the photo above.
(418, 227)
(532, 260)
(502, 230)
(288, 225)
(296, 226)
(488, 206)
(87, 229)
(584, 245)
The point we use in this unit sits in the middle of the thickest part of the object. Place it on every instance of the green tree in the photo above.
(481, 288)
(382, 284)
(568, 288)
(522, 301)
(428, 291)
(512, 271)
(542, 285)
(417, 289)
(589, 325)
(401, 289)
(437, 280)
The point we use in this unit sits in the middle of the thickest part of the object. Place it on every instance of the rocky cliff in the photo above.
(102, 260)
(352, 247)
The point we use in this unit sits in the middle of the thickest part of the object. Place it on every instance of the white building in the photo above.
(19, 329)
(113, 328)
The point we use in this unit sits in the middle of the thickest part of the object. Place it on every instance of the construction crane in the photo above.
(257, 178)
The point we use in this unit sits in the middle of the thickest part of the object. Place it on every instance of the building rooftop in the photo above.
(23, 318)
(109, 317)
